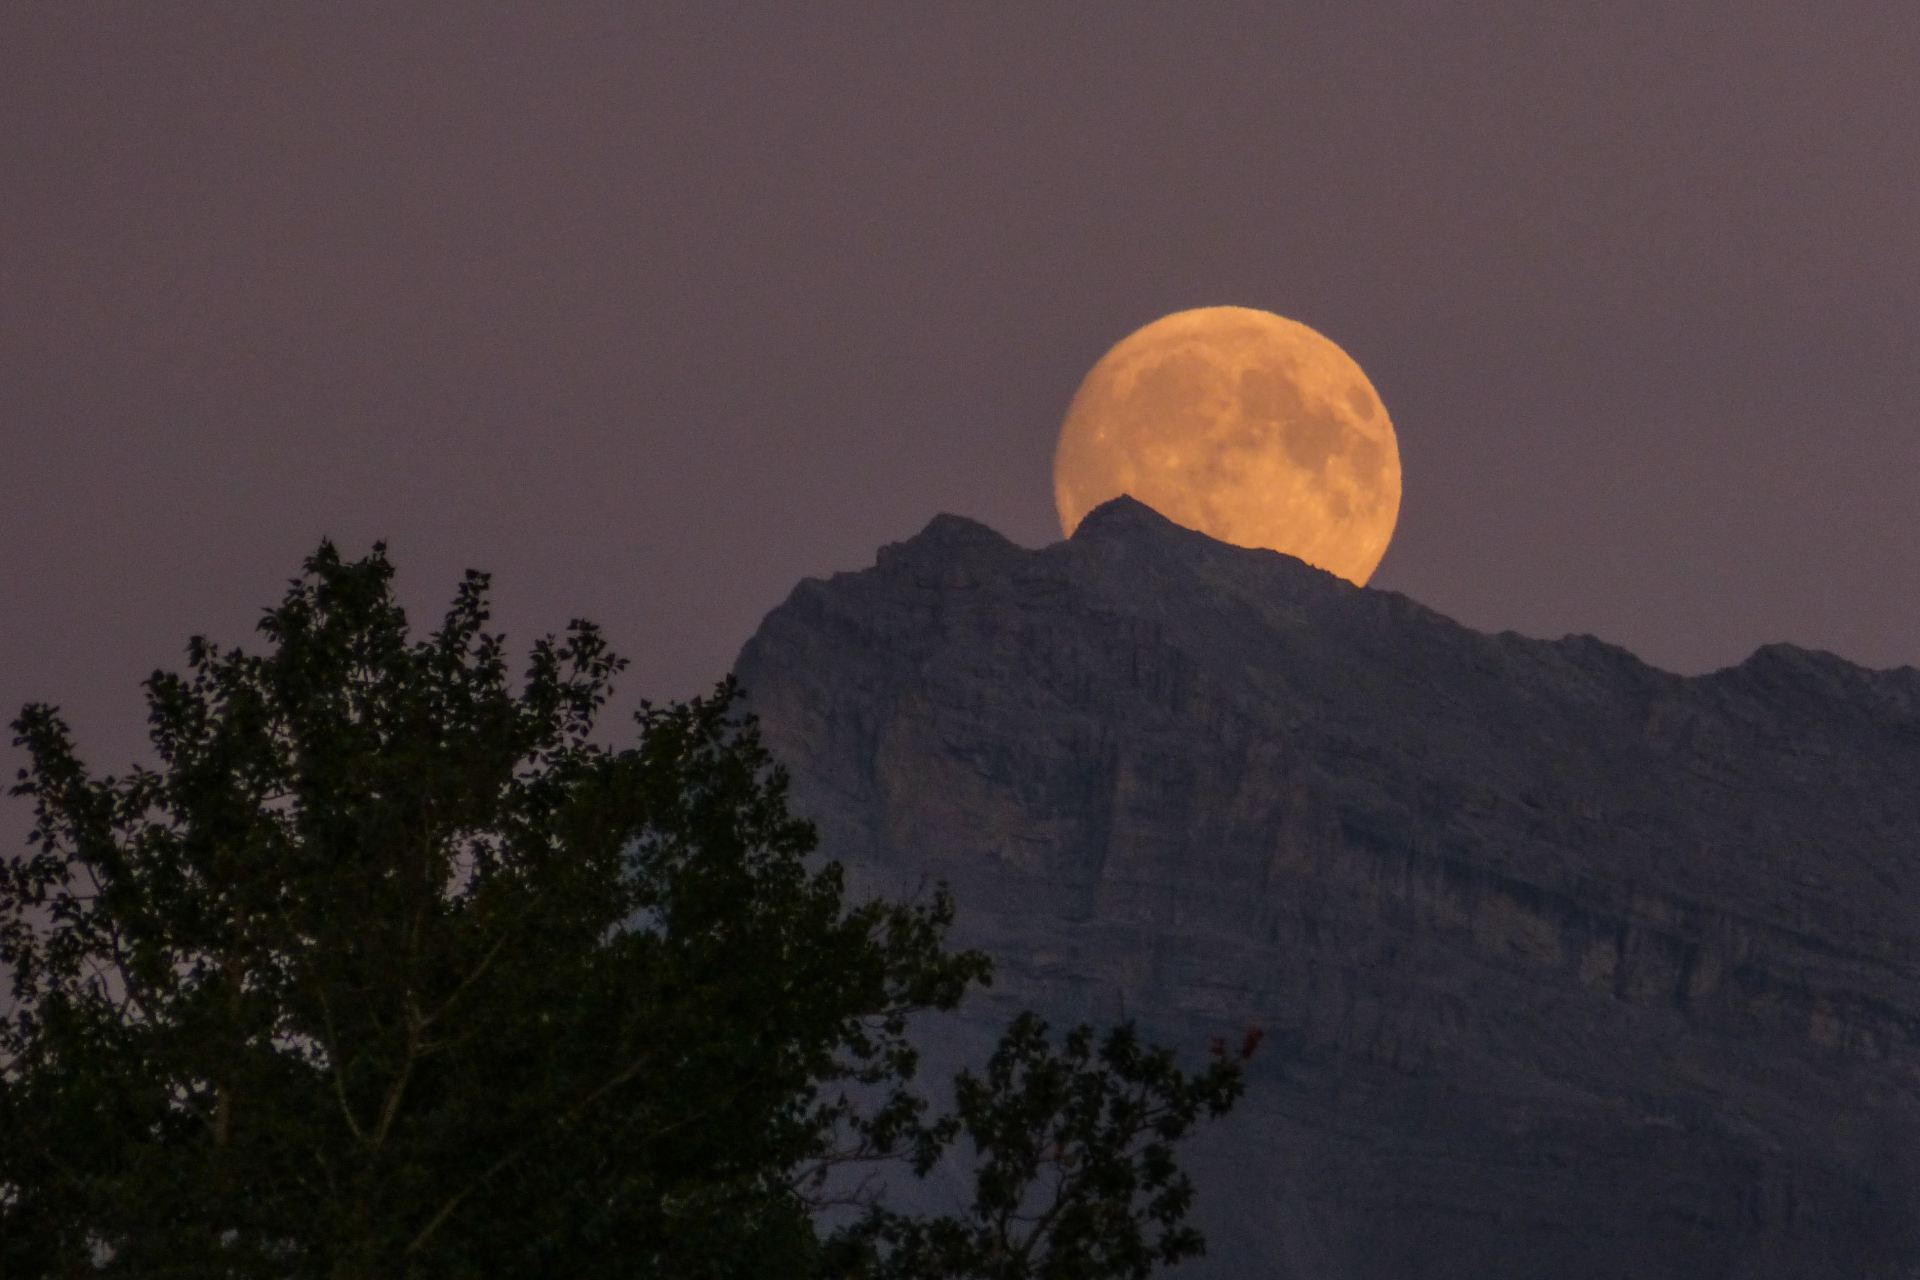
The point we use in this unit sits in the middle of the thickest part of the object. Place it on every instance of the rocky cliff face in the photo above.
(1569, 967)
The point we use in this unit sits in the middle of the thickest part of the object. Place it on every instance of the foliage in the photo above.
(390, 970)
(1074, 1174)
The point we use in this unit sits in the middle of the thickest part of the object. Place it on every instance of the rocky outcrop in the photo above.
(1569, 967)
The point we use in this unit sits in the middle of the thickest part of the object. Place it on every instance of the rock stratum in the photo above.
(1568, 966)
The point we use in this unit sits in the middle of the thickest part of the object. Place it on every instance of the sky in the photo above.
(653, 310)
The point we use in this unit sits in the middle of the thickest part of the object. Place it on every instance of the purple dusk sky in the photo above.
(653, 310)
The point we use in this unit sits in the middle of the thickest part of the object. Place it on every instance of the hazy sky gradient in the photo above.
(654, 310)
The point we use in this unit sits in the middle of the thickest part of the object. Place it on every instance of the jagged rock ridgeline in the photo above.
(1568, 966)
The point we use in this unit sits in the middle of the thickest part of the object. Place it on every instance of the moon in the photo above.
(1249, 427)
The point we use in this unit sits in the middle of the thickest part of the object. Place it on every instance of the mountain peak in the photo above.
(949, 545)
(1125, 514)
(947, 528)
(1135, 531)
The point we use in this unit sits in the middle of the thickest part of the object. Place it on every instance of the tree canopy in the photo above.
(390, 969)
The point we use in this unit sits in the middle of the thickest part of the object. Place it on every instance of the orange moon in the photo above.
(1244, 425)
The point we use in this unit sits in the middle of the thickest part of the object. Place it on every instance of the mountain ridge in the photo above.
(1126, 512)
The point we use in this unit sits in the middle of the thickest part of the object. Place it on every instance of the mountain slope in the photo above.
(1568, 966)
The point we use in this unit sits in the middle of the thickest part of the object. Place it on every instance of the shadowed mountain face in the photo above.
(1568, 966)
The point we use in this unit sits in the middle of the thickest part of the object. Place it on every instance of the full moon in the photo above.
(1244, 425)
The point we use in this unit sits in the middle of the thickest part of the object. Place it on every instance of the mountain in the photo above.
(1568, 966)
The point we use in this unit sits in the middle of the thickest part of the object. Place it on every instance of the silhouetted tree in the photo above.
(389, 970)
